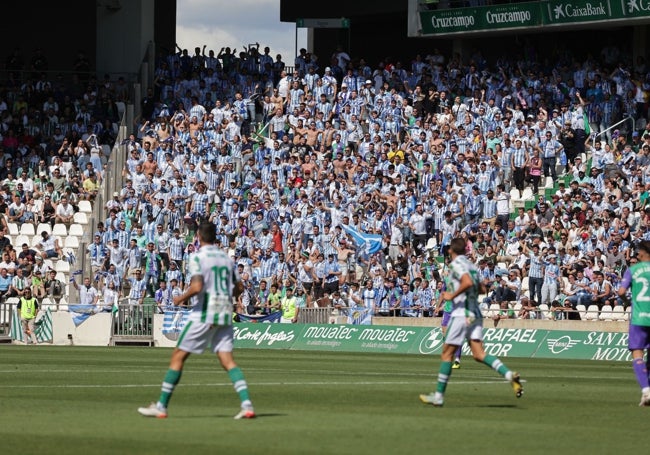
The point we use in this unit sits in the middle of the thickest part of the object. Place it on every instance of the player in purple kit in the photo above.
(446, 318)
(637, 280)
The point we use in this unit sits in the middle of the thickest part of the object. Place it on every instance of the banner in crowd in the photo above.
(174, 322)
(359, 316)
(502, 342)
(371, 242)
(81, 312)
(263, 319)
(42, 327)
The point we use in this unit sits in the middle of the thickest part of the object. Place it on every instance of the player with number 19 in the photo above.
(213, 285)
(637, 280)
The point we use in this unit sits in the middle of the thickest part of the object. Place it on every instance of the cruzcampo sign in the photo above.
(532, 15)
(462, 20)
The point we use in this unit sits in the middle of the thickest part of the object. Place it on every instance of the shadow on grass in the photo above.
(503, 406)
(227, 416)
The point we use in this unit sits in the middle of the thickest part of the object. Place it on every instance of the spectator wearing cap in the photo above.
(174, 273)
(138, 288)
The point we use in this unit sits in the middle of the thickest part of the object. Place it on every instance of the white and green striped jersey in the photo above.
(466, 304)
(214, 304)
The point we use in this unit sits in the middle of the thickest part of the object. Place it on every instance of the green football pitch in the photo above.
(69, 400)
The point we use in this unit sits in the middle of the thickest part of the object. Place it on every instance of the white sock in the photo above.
(509, 376)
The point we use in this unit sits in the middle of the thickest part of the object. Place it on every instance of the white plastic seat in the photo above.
(76, 230)
(60, 229)
(71, 241)
(63, 303)
(47, 302)
(606, 313)
(12, 300)
(514, 194)
(80, 218)
(38, 205)
(85, 207)
(548, 183)
(43, 227)
(527, 194)
(582, 311)
(48, 263)
(565, 282)
(62, 266)
(543, 311)
(34, 241)
(61, 277)
(517, 307)
(493, 310)
(20, 239)
(13, 228)
(27, 229)
(618, 313)
(524, 284)
(628, 313)
(592, 313)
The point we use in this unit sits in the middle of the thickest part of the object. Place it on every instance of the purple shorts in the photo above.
(446, 317)
(639, 337)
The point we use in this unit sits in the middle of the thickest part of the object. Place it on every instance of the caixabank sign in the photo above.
(543, 16)
(428, 340)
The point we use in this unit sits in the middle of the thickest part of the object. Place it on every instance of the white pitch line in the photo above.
(255, 384)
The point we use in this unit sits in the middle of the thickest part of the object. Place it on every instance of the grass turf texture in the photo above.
(83, 400)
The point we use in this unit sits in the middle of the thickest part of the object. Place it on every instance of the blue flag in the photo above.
(371, 242)
(174, 321)
(359, 316)
(81, 312)
(266, 318)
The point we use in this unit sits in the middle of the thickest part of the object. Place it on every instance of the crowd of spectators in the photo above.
(53, 131)
(288, 161)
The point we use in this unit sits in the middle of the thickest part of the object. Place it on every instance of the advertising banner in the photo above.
(562, 13)
(501, 342)
(355, 338)
(585, 345)
(268, 336)
(460, 20)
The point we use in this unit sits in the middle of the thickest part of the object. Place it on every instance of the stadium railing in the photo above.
(315, 315)
(133, 324)
(6, 312)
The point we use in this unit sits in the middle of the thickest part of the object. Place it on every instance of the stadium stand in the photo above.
(294, 164)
